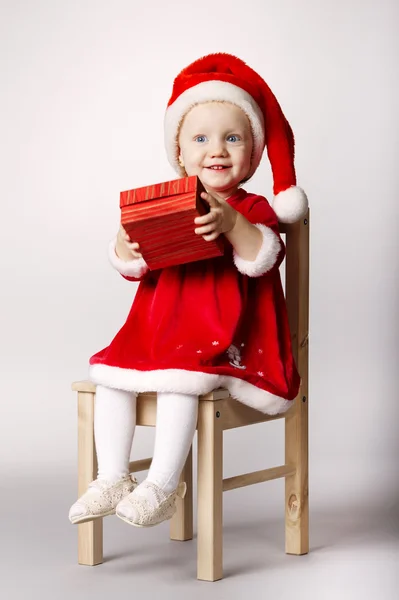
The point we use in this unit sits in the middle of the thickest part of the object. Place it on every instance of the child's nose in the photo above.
(218, 149)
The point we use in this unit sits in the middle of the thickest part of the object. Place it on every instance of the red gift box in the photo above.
(161, 217)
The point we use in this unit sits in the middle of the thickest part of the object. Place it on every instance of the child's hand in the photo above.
(125, 248)
(221, 218)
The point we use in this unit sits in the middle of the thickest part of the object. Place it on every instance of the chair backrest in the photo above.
(297, 292)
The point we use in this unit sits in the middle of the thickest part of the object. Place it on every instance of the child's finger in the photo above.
(208, 218)
(213, 203)
(211, 236)
(205, 229)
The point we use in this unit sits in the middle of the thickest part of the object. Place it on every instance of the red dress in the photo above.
(220, 322)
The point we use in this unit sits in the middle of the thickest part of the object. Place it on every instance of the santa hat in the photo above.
(226, 78)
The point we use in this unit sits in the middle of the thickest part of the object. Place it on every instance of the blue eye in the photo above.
(200, 138)
(236, 138)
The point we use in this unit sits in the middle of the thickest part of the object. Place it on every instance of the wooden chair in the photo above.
(217, 413)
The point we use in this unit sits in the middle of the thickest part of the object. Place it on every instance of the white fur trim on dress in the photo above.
(267, 255)
(290, 205)
(132, 268)
(209, 91)
(187, 382)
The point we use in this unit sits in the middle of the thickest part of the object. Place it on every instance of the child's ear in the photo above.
(180, 160)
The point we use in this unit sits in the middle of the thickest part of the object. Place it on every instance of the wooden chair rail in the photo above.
(231, 483)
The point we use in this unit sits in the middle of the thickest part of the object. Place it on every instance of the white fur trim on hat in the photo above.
(187, 382)
(132, 268)
(209, 91)
(266, 257)
(290, 205)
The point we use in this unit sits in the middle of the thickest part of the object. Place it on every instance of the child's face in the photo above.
(216, 134)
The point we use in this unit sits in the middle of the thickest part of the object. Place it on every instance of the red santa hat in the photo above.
(227, 78)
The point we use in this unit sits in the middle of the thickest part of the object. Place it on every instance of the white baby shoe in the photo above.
(101, 499)
(149, 505)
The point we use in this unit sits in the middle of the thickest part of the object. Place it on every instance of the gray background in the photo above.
(84, 87)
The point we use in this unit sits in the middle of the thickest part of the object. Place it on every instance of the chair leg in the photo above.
(296, 486)
(90, 535)
(181, 525)
(210, 492)
(296, 425)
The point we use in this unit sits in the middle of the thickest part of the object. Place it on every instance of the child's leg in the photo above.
(153, 501)
(114, 425)
(175, 427)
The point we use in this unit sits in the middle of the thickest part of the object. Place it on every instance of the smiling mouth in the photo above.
(217, 168)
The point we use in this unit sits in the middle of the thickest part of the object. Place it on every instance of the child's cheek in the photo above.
(196, 158)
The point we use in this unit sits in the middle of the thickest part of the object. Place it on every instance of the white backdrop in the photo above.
(84, 87)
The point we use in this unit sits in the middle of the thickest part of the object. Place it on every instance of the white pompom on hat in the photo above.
(227, 78)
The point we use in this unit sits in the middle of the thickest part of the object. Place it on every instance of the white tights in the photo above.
(114, 425)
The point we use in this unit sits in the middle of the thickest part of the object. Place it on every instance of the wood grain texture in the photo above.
(210, 492)
(181, 525)
(90, 535)
(296, 425)
(140, 465)
(232, 483)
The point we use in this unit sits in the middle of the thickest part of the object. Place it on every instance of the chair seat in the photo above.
(89, 386)
(231, 412)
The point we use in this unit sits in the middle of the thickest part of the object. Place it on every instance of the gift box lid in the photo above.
(167, 189)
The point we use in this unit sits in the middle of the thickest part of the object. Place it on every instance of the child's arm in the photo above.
(245, 238)
(269, 256)
(125, 257)
(257, 244)
(253, 233)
